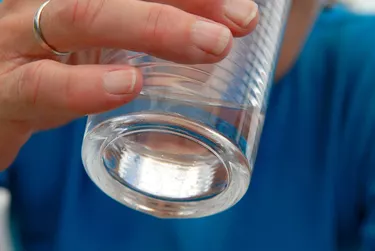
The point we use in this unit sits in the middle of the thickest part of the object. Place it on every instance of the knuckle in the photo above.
(29, 82)
(81, 14)
(158, 22)
(68, 94)
(5, 98)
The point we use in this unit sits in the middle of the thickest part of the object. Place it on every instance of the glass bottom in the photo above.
(166, 165)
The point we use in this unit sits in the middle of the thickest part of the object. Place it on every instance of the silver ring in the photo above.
(39, 34)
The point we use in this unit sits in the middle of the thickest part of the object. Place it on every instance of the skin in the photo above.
(302, 17)
(39, 91)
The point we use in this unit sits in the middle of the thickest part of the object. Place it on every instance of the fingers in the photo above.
(239, 15)
(157, 29)
(47, 87)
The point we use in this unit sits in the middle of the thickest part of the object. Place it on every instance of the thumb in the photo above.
(68, 89)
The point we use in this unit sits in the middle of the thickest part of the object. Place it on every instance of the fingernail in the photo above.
(120, 82)
(210, 37)
(241, 12)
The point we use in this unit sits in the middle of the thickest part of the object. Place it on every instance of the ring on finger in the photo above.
(39, 34)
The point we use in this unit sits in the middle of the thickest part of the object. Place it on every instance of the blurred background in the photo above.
(361, 6)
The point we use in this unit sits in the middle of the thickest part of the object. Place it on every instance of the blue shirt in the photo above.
(313, 187)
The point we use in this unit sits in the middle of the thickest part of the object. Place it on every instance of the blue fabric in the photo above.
(313, 187)
(3, 179)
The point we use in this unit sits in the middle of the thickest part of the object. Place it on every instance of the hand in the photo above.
(39, 90)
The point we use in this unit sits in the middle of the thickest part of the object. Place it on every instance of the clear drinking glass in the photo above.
(186, 146)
